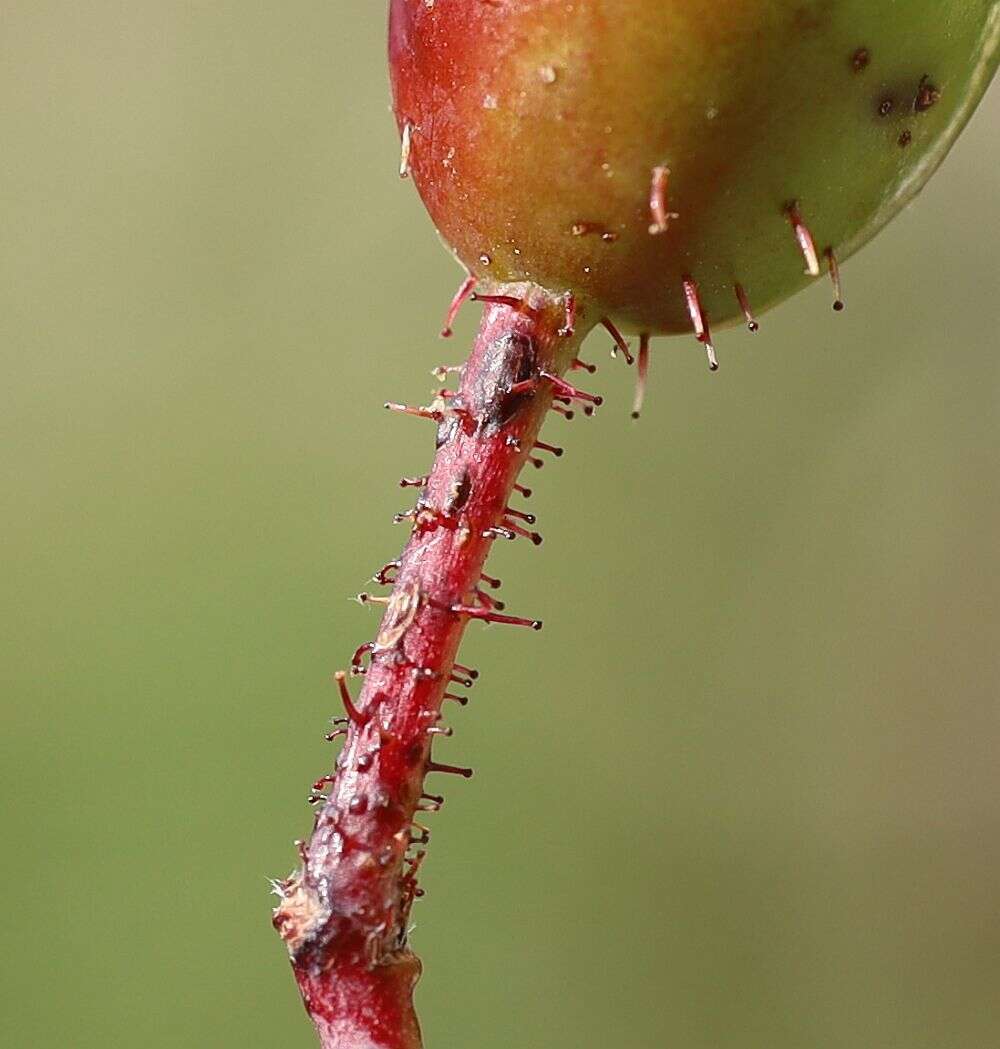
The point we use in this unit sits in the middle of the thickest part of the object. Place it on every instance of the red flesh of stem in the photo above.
(344, 914)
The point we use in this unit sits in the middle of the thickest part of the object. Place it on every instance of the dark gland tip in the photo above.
(927, 96)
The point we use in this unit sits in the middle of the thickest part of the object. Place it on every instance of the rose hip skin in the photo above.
(536, 129)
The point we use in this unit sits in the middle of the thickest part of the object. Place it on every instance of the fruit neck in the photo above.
(344, 914)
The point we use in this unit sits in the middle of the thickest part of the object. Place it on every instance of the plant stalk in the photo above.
(344, 913)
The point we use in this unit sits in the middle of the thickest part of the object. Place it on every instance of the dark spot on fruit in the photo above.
(885, 107)
(906, 138)
(860, 59)
(927, 95)
(583, 229)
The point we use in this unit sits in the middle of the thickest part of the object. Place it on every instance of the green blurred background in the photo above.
(742, 791)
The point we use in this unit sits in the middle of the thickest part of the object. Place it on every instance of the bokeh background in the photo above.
(742, 791)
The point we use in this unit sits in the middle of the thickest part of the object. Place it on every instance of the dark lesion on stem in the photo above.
(344, 914)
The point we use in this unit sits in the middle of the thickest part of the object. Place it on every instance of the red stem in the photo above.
(344, 914)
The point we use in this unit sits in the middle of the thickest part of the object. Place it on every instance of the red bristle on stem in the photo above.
(518, 530)
(566, 390)
(382, 575)
(451, 770)
(489, 602)
(530, 518)
(522, 305)
(498, 532)
(414, 863)
(491, 617)
(524, 386)
(352, 711)
(557, 452)
(583, 366)
(418, 413)
(357, 659)
(372, 599)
